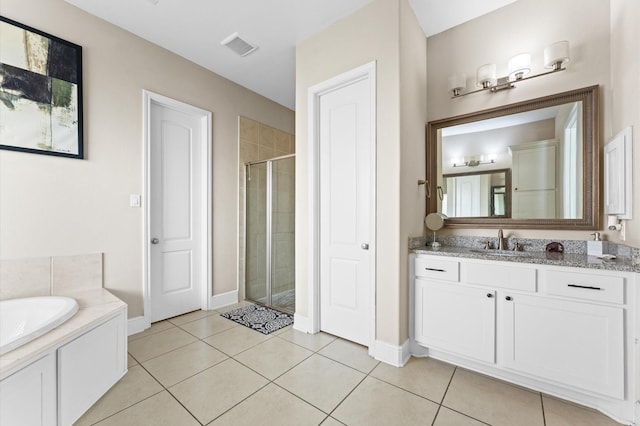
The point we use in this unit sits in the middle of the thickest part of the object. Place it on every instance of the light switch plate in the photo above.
(134, 200)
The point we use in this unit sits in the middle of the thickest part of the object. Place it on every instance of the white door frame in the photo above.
(367, 71)
(205, 213)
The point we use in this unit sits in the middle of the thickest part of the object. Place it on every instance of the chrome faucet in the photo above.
(500, 240)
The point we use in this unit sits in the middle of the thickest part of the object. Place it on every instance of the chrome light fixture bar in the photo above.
(555, 58)
(472, 163)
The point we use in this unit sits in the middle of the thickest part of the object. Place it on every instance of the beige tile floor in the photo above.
(202, 369)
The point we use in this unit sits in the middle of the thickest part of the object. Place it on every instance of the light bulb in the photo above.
(519, 66)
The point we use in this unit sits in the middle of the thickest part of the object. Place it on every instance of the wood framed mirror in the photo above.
(548, 148)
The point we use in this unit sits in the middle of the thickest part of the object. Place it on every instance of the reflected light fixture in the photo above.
(556, 57)
(471, 163)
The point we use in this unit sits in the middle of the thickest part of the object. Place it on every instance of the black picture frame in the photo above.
(40, 92)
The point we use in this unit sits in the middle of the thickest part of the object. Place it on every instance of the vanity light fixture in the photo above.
(556, 57)
(457, 83)
(471, 163)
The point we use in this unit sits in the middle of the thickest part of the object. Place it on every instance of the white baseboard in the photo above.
(137, 325)
(418, 350)
(391, 354)
(301, 323)
(222, 300)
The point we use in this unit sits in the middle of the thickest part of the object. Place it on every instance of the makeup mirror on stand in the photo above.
(435, 222)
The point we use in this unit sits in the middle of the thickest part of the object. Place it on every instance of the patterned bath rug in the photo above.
(259, 318)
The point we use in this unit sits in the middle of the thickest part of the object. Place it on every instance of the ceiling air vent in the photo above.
(237, 44)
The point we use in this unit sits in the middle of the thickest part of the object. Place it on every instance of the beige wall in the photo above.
(625, 93)
(54, 206)
(374, 33)
(526, 25)
(413, 113)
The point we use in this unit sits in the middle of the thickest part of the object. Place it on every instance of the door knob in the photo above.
(155, 241)
(364, 246)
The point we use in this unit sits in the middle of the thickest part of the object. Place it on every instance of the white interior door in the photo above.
(176, 251)
(467, 193)
(345, 139)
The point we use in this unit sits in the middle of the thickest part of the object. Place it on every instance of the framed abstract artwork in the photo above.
(40, 92)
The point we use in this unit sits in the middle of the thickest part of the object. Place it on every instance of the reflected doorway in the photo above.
(270, 232)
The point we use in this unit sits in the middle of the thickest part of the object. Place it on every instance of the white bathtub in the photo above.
(22, 320)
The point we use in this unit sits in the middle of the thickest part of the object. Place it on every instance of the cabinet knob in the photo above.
(508, 298)
(489, 295)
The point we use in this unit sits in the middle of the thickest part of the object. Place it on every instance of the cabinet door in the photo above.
(455, 318)
(572, 343)
(28, 397)
(89, 366)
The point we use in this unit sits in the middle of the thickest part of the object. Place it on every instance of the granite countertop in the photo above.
(95, 306)
(576, 260)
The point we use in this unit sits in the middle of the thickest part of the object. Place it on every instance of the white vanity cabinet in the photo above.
(569, 332)
(455, 318)
(566, 342)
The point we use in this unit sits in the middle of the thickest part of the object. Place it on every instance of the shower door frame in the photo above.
(269, 227)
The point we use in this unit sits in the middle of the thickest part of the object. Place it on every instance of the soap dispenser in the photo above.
(597, 246)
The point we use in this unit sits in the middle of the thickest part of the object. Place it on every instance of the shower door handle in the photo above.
(155, 241)
(364, 246)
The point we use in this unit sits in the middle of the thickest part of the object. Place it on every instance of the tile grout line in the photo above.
(142, 400)
(238, 403)
(313, 352)
(269, 381)
(460, 412)
(170, 393)
(443, 396)
(123, 409)
(347, 395)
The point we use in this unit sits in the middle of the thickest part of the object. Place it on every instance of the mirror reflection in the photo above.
(477, 194)
(527, 165)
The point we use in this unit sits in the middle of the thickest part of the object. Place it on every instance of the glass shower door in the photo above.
(283, 234)
(256, 229)
(270, 233)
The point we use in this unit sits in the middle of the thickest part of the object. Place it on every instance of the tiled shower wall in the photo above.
(257, 142)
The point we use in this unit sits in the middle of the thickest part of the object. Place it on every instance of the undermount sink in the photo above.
(502, 253)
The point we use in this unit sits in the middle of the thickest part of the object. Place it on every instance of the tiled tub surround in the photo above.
(67, 349)
(575, 252)
(47, 276)
(564, 324)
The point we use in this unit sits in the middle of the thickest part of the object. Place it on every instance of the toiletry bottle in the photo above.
(597, 246)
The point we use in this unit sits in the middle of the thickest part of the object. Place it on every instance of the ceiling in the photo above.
(194, 29)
